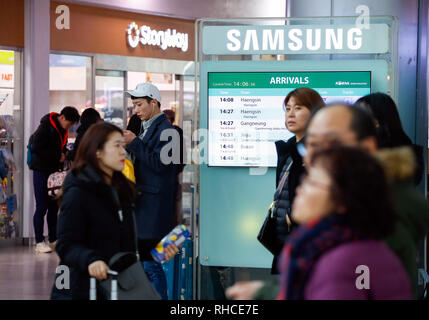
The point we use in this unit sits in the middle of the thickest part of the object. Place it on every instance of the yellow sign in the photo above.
(7, 57)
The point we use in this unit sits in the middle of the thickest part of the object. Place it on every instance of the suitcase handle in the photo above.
(114, 286)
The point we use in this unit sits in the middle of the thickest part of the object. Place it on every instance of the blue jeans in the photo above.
(44, 204)
(156, 275)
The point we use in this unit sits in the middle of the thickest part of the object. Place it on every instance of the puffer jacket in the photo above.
(286, 153)
(89, 229)
(411, 207)
(49, 142)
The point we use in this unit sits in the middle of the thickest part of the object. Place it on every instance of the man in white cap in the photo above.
(155, 180)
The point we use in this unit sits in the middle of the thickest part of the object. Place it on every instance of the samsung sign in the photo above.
(295, 39)
(145, 35)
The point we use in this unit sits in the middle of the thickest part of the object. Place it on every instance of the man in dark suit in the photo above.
(155, 179)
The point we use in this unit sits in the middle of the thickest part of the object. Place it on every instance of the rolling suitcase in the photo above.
(114, 289)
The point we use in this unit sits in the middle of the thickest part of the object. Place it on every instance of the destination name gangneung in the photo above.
(253, 123)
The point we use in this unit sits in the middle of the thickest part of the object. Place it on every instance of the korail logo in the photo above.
(342, 83)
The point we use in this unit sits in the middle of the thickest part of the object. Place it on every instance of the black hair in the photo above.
(89, 116)
(383, 110)
(70, 113)
(361, 123)
(171, 115)
(305, 96)
(356, 178)
(148, 99)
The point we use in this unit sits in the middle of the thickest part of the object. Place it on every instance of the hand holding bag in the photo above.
(132, 282)
(267, 234)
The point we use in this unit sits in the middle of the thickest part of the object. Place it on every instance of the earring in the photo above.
(98, 153)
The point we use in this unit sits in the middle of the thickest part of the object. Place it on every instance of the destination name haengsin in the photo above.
(274, 39)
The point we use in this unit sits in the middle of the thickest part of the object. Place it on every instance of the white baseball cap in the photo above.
(145, 90)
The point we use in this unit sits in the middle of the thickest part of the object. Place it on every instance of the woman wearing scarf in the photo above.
(344, 210)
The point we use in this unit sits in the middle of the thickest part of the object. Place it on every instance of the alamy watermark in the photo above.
(363, 280)
(63, 280)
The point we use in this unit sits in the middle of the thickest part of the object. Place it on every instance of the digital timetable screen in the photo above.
(246, 115)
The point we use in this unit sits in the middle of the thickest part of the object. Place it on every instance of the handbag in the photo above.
(56, 180)
(132, 281)
(267, 234)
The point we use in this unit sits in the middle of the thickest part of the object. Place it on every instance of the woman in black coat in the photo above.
(298, 105)
(95, 220)
(390, 133)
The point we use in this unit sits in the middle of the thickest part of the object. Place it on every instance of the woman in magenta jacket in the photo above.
(344, 210)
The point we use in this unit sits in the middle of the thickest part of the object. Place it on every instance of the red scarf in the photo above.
(63, 139)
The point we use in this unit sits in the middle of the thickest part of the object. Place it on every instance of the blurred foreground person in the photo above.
(352, 126)
(390, 133)
(340, 237)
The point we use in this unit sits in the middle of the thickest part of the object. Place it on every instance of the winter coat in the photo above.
(286, 153)
(155, 182)
(48, 144)
(335, 275)
(89, 229)
(411, 207)
(419, 163)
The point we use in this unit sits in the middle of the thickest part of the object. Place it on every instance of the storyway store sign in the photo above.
(296, 39)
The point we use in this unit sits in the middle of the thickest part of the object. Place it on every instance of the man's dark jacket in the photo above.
(155, 182)
(47, 144)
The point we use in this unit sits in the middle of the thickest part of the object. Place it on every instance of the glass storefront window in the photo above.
(11, 144)
(70, 82)
(109, 96)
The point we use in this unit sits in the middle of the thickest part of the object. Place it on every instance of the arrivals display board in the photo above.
(246, 110)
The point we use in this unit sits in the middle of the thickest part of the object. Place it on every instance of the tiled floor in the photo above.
(25, 275)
